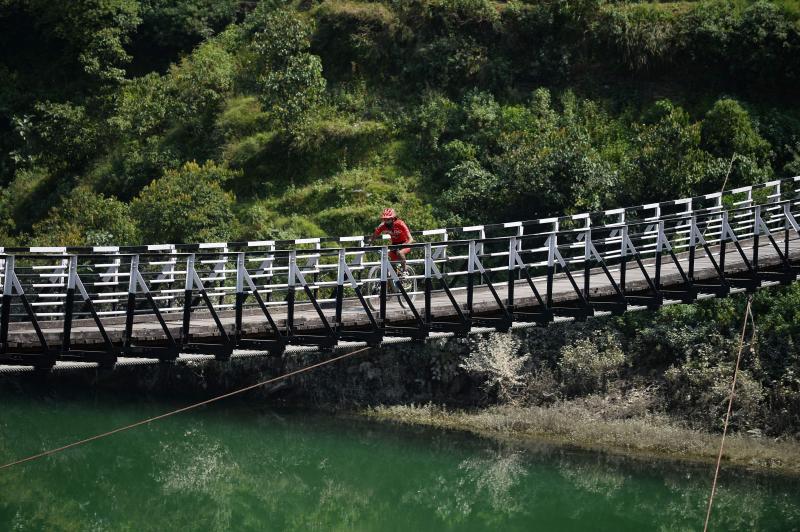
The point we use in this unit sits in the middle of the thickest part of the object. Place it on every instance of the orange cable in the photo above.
(184, 409)
(747, 313)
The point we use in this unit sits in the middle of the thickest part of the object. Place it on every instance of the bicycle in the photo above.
(372, 286)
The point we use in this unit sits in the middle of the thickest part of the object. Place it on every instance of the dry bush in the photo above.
(542, 387)
(497, 360)
(633, 403)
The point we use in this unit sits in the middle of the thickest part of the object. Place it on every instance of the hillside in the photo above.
(127, 121)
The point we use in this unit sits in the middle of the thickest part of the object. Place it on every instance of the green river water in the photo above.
(242, 466)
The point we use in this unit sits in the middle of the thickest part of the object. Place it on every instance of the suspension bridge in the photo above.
(103, 306)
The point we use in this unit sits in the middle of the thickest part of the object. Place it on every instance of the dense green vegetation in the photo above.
(648, 371)
(680, 361)
(127, 121)
(300, 118)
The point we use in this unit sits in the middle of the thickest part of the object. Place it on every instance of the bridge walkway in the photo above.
(72, 307)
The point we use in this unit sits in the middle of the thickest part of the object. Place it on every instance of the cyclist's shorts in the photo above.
(395, 256)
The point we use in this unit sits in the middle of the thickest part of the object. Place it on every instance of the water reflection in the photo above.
(488, 479)
(195, 465)
(236, 468)
(594, 478)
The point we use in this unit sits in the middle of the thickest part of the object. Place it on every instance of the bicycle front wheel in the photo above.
(371, 288)
(409, 284)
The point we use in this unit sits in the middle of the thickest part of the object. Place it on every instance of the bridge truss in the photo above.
(159, 301)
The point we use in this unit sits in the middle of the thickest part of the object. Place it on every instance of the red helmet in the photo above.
(388, 214)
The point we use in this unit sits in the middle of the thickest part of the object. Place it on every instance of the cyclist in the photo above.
(398, 231)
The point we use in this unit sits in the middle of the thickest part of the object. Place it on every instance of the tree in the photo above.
(288, 78)
(728, 129)
(474, 193)
(552, 160)
(291, 92)
(160, 121)
(61, 135)
(87, 218)
(766, 45)
(83, 39)
(197, 88)
(186, 205)
(667, 161)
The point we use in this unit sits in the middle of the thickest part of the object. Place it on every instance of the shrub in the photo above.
(547, 41)
(781, 129)
(643, 36)
(482, 116)
(452, 44)
(667, 159)
(432, 120)
(587, 364)
(520, 161)
(554, 174)
(457, 152)
(698, 389)
(766, 46)
(355, 38)
(542, 387)
(452, 62)
(728, 129)
(707, 32)
(200, 83)
(63, 134)
(86, 218)
(143, 106)
(186, 205)
(291, 92)
(497, 360)
(473, 192)
(132, 165)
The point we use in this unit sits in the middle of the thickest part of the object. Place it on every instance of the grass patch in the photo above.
(576, 424)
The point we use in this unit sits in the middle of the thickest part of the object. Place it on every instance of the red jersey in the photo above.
(399, 232)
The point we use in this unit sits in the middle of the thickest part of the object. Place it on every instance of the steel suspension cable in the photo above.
(747, 314)
(725, 182)
(184, 409)
(728, 174)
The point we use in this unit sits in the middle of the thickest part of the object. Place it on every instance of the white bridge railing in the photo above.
(90, 303)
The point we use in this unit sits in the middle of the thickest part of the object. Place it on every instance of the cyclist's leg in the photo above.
(394, 258)
(402, 253)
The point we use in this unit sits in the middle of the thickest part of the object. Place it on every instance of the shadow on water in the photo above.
(235, 466)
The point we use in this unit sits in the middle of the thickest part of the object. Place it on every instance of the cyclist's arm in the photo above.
(375, 234)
